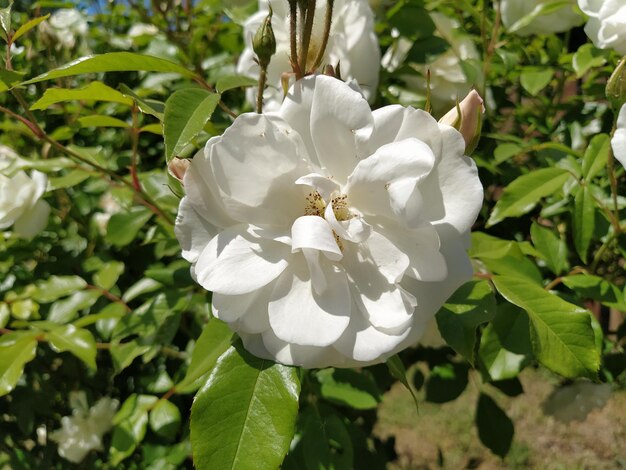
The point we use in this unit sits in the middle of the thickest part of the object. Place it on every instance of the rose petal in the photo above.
(311, 231)
(235, 262)
(300, 315)
(32, 221)
(255, 165)
(338, 114)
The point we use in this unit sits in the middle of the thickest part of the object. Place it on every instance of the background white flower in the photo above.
(82, 432)
(449, 80)
(352, 43)
(329, 234)
(606, 26)
(619, 138)
(21, 205)
(563, 19)
(64, 28)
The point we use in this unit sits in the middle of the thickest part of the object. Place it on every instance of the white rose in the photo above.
(606, 26)
(329, 234)
(64, 27)
(560, 20)
(619, 138)
(352, 44)
(82, 432)
(21, 205)
(448, 79)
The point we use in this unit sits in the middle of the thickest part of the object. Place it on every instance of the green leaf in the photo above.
(552, 248)
(525, 192)
(504, 257)
(108, 274)
(495, 428)
(56, 287)
(562, 336)
(130, 424)
(97, 120)
(186, 113)
(16, 350)
(5, 19)
(9, 78)
(28, 26)
(234, 81)
(584, 221)
(95, 91)
(165, 419)
(470, 306)
(588, 286)
(112, 62)
(505, 151)
(124, 226)
(63, 311)
(77, 341)
(123, 354)
(535, 79)
(215, 339)
(587, 57)
(499, 363)
(146, 105)
(68, 180)
(398, 371)
(350, 388)
(596, 155)
(505, 345)
(315, 446)
(256, 416)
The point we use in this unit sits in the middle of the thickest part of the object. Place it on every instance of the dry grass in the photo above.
(444, 436)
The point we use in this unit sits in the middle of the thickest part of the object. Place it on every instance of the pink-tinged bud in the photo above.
(467, 118)
(177, 167)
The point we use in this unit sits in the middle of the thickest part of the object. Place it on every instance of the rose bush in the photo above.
(562, 19)
(352, 44)
(328, 233)
(606, 26)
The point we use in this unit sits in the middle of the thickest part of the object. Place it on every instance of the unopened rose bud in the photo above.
(467, 118)
(264, 42)
(616, 86)
(177, 167)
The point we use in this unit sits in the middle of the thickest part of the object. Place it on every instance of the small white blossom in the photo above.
(619, 138)
(21, 205)
(82, 432)
(563, 19)
(606, 26)
(329, 234)
(64, 27)
(352, 44)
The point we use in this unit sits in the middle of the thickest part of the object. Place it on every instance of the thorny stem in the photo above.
(306, 35)
(262, 82)
(293, 36)
(134, 135)
(112, 297)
